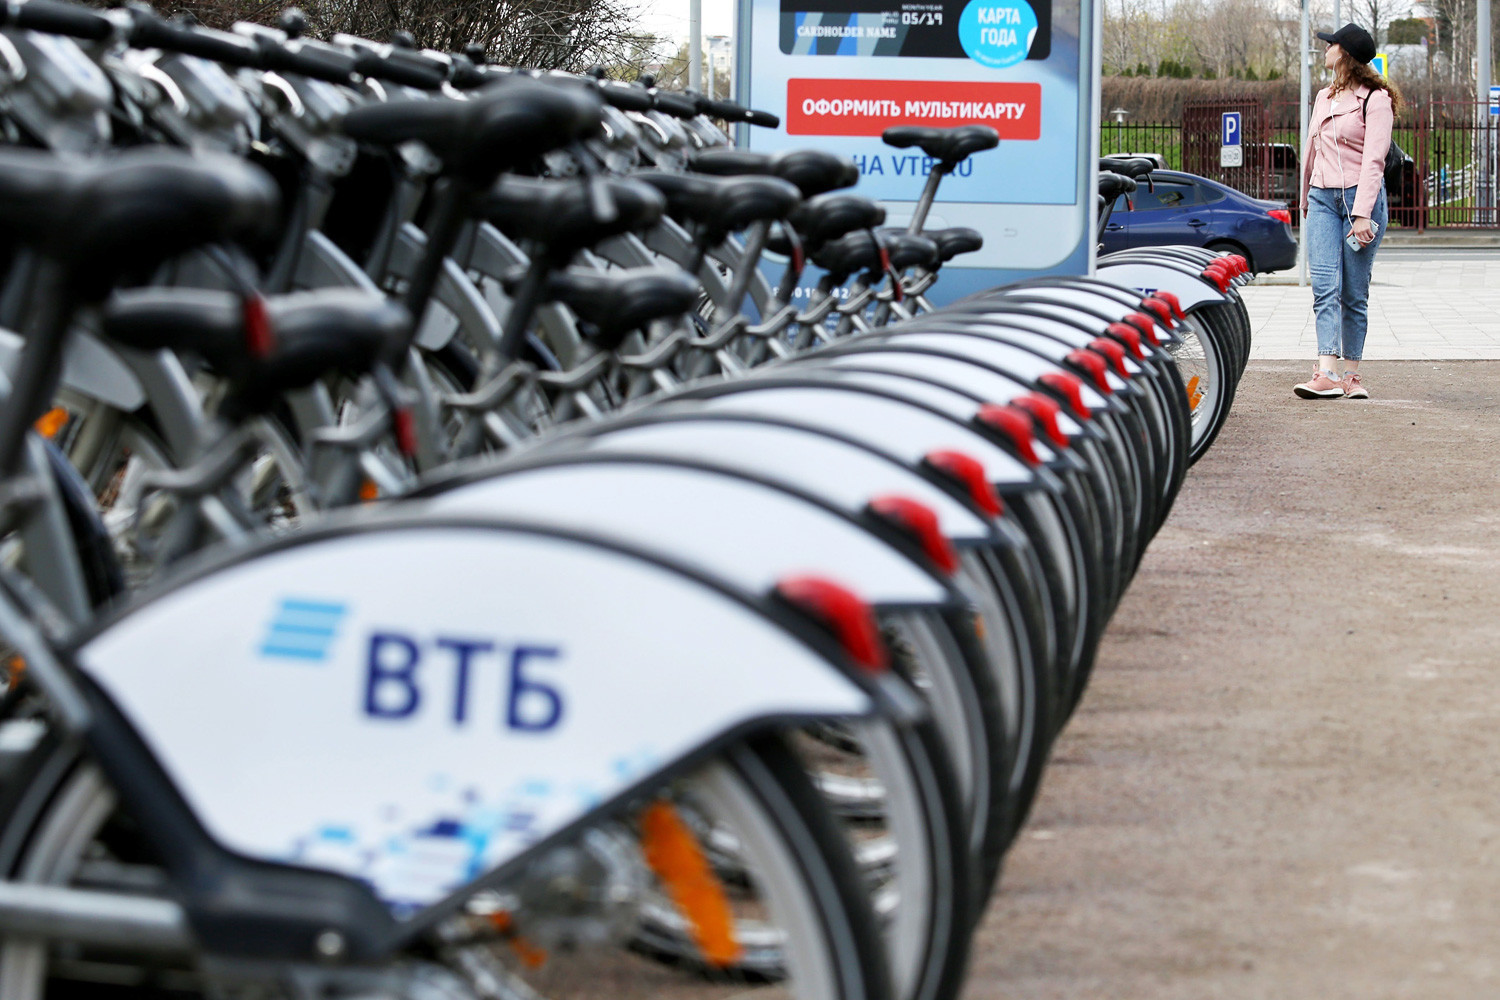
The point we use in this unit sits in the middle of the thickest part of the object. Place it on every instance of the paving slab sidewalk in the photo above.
(1419, 310)
(1284, 780)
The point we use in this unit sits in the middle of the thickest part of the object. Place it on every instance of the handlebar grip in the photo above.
(674, 104)
(626, 97)
(61, 19)
(762, 118)
(317, 63)
(727, 110)
(406, 68)
(150, 32)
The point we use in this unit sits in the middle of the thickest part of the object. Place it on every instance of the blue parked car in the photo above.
(1185, 209)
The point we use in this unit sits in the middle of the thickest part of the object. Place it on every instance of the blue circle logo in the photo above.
(997, 33)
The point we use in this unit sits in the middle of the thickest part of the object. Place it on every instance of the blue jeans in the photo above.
(1340, 276)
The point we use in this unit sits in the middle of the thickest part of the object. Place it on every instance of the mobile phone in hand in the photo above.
(1355, 244)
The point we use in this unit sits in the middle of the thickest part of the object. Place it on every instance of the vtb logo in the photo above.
(406, 675)
(303, 629)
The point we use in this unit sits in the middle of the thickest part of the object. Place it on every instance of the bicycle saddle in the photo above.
(313, 333)
(1134, 167)
(955, 240)
(615, 303)
(859, 251)
(830, 216)
(911, 250)
(812, 170)
(950, 145)
(119, 213)
(724, 204)
(500, 127)
(1111, 186)
(561, 214)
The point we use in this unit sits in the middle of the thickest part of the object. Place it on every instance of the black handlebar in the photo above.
(151, 32)
(626, 97)
(410, 69)
(677, 105)
(57, 19)
(307, 59)
(322, 62)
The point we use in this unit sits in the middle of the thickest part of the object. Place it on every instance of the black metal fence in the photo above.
(1452, 149)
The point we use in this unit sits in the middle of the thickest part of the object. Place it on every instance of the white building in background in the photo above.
(1407, 62)
(718, 58)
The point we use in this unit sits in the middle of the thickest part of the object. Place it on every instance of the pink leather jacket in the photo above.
(1345, 148)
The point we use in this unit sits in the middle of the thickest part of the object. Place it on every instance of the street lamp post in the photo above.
(1306, 93)
(695, 44)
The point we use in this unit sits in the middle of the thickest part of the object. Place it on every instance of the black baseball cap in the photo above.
(1354, 40)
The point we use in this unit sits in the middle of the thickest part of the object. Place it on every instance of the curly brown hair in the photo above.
(1350, 73)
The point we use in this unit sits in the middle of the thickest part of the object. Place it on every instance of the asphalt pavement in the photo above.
(1281, 783)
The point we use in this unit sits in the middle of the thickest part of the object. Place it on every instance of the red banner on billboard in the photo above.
(869, 107)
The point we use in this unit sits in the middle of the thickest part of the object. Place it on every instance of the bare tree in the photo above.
(1375, 16)
(1217, 37)
(545, 34)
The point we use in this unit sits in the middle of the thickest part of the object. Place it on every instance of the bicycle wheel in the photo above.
(803, 896)
(1204, 371)
(896, 793)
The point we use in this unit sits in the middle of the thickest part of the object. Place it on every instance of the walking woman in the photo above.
(1344, 205)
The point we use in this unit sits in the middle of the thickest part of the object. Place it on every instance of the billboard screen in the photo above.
(839, 72)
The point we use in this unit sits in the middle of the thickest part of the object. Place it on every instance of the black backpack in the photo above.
(1395, 155)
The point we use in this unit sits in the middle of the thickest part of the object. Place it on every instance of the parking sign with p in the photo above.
(1231, 152)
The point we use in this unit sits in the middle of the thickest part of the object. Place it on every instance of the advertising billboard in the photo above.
(839, 72)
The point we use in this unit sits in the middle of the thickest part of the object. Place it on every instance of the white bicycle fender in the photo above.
(988, 386)
(1023, 332)
(90, 368)
(986, 350)
(1144, 277)
(839, 472)
(903, 428)
(413, 705)
(747, 533)
(940, 398)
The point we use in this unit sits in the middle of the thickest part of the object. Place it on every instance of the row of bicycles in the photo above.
(471, 532)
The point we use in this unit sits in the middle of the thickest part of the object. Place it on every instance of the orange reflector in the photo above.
(49, 423)
(679, 862)
(1193, 395)
(530, 955)
(368, 491)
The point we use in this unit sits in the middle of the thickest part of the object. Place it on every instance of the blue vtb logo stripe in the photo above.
(302, 629)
